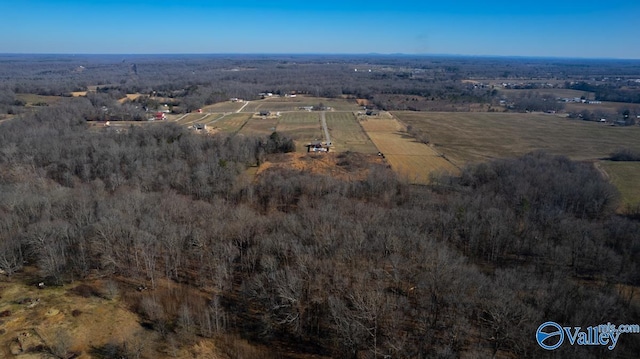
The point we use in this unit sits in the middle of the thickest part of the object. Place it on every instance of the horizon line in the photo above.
(397, 54)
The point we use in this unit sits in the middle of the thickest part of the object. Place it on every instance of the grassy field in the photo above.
(260, 126)
(624, 175)
(293, 104)
(413, 160)
(475, 137)
(226, 106)
(347, 134)
(303, 127)
(32, 99)
(192, 118)
(232, 122)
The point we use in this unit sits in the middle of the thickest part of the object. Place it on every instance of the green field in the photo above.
(624, 175)
(303, 127)
(475, 137)
(347, 134)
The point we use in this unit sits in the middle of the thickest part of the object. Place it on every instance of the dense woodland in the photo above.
(373, 268)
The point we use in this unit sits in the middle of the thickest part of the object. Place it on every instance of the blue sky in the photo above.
(588, 28)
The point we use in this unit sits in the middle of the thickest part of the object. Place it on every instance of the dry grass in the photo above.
(46, 313)
(130, 97)
(624, 175)
(411, 159)
(232, 122)
(347, 134)
(260, 126)
(346, 166)
(32, 99)
(302, 127)
(475, 137)
(227, 106)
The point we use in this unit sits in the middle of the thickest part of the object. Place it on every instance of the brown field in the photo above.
(226, 106)
(79, 93)
(260, 126)
(624, 175)
(346, 166)
(411, 159)
(475, 137)
(347, 134)
(129, 97)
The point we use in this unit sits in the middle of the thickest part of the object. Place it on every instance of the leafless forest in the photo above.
(305, 263)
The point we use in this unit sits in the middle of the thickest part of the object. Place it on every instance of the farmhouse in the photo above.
(265, 113)
(317, 146)
(199, 126)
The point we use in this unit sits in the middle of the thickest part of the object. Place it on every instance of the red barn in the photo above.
(160, 116)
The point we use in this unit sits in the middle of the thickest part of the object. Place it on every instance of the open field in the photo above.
(205, 118)
(347, 134)
(411, 159)
(624, 175)
(475, 137)
(226, 106)
(130, 97)
(303, 127)
(32, 99)
(232, 122)
(260, 126)
(293, 104)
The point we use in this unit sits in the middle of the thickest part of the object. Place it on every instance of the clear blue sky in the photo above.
(587, 28)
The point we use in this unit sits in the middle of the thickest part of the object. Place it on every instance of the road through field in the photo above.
(243, 106)
(323, 119)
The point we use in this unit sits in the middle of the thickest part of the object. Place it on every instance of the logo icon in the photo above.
(547, 333)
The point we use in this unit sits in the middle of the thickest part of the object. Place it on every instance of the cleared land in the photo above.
(303, 127)
(475, 137)
(625, 175)
(227, 106)
(347, 134)
(294, 103)
(413, 160)
(259, 126)
(232, 122)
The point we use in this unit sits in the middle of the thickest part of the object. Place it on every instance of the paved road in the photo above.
(323, 119)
